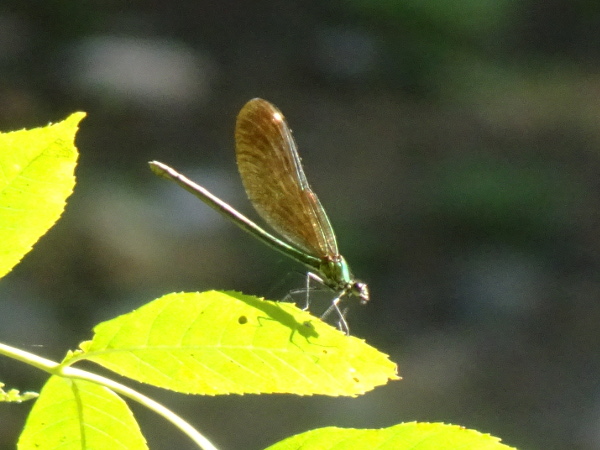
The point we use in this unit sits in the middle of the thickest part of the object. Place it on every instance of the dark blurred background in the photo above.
(454, 144)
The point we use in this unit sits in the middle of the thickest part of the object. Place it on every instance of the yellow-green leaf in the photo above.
(406, 436)
(15, 396)
(220, 343)
(76, 414)
(36, 177)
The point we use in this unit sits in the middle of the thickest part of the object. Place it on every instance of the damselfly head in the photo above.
(360, 290)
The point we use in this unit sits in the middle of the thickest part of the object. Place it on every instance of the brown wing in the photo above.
(275, 182)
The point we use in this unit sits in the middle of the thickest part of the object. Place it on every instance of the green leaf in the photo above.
(36, 177)
(76, 414)
(220, 343)
(14, 396)
(413, 436)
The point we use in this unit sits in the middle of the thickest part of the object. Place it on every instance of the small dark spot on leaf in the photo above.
(356, 380)
(242, 320)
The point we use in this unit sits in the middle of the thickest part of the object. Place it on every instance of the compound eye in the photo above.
(361, 290)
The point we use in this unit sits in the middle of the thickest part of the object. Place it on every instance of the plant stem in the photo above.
(57, 369)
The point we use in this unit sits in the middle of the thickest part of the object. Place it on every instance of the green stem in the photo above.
(57, 369)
